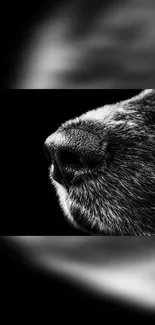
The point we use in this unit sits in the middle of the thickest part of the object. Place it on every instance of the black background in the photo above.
(28, 117)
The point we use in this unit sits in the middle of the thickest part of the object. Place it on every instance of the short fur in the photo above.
(117, 196)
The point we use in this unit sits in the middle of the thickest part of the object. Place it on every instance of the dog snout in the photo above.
(73, 150)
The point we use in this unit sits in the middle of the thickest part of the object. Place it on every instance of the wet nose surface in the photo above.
(72, 150)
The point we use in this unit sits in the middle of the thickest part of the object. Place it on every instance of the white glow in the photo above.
(123, 269)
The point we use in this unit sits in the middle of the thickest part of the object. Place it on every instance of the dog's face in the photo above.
(103, 168)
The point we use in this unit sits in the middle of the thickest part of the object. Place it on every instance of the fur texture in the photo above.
(116, 194)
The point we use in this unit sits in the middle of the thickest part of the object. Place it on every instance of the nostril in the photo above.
(69, 158)
(72, 152)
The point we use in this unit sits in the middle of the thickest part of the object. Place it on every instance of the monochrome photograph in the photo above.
(78, 150)
(80, 162)
(103, 167)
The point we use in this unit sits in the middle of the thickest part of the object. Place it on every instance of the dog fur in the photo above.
(117, 196)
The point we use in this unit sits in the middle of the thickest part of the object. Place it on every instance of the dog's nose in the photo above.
(72, 150)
